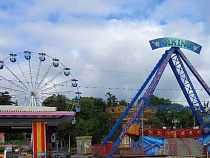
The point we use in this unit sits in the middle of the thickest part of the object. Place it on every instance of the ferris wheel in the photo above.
(31, 77)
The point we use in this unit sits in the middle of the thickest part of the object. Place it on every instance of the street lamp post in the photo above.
(205, 150)
(69, 143)
(175, 121)
(142, 129)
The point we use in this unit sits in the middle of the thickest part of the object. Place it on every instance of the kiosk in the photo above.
(40, 120)
(84, 145)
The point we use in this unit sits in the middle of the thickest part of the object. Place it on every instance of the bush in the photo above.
(1, 149)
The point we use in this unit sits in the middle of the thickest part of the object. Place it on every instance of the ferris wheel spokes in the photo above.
(25, 103)
(30, 74)
(12, 82)
(56, 85)
(15, 76)
(37, 74)
(39, 84)
(55, 63)
(28, 57)
(34, 101)
(28, 100)
(23, 74)
(53, 78)
(61, 92)
(11, 89)
(20, 100)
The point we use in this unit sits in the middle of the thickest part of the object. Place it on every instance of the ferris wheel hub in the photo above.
(33, 93)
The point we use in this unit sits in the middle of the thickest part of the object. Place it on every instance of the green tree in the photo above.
(92, 120)
(111, 100)
(13, 135)
(166, 117)
(62, 103)
(100, 104)
(123, 102)
(5, 98)
(59, 101)
(159, 101)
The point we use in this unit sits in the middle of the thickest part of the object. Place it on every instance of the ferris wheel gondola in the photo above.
(31, 77)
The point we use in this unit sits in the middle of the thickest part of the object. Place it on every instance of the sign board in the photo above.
(175, 42)
(8, 148)
(41, 154)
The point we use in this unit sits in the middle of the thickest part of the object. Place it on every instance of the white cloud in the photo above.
(100, 48)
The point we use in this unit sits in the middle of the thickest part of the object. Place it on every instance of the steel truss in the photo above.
(175, 57)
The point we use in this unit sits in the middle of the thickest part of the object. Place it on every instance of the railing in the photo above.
(172, 146)
(187, 144)
(199, 146)
(132, 153)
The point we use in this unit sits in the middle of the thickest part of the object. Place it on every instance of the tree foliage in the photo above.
(93, 120)
(111, 100)
(5, 98)
(171, 118)
(59, 101)
(159, 101)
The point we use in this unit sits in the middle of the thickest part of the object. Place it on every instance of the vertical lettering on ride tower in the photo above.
(194, 71)
(147, 94)
(175, 42)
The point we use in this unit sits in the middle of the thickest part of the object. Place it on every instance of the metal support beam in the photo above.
(144, 101)
(186, 85)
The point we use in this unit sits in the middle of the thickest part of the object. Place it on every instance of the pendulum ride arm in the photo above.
(186, 84)
(195, 73)
(125, 113)
(143, 103)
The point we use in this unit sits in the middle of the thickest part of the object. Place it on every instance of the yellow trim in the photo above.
(39, 137)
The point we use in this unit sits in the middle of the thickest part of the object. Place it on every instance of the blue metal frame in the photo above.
(125, 113)
(182, 77)
(133, 101)
(186, 84)
(143, 103)
(195, 73)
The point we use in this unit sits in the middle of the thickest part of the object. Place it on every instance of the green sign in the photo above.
(175, 42)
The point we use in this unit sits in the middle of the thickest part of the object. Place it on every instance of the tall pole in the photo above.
(142, 129)
(69, 143)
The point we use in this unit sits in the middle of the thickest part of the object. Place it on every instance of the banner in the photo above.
(175, 42)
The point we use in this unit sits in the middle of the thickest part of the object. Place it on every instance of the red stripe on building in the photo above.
(34, 131)
(43, 137)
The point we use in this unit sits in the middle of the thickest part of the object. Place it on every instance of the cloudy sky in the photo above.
(106, 43)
